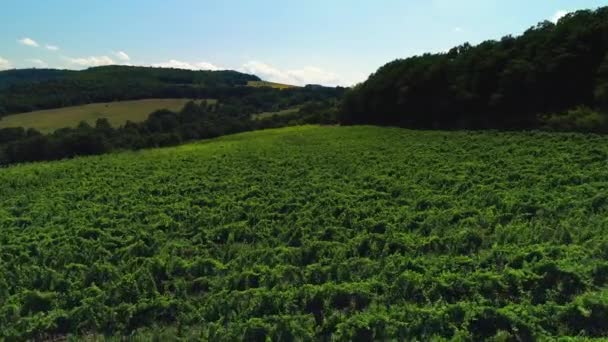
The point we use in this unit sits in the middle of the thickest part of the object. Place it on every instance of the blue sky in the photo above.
(292, 41)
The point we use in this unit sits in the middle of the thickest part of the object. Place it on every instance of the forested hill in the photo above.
(34, 89)
(511, 83)
(20, 76)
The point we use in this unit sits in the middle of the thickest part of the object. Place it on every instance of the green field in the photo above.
(312, 233)
(117, 113)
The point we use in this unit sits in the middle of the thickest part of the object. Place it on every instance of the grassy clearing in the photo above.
(117, 113)
(266, 115)
(316, 233)
(260, 84)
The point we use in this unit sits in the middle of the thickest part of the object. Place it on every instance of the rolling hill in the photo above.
(312, 233)
(38, 89)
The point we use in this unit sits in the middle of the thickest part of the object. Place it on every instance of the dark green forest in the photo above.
(553, 76)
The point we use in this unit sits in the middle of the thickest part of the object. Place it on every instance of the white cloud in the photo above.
(38, 63)
(5, 64)
(90, 61)
(28, 42)
(266, 72)
(173, 63)
(207, 66)
(122, 56)
(457, 29)
(558, 15)
(303, 76)
(314, 75)
(52, 47)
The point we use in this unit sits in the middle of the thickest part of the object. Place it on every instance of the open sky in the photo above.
(291, 41)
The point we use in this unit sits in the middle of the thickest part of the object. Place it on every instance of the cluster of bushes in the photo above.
(162, 128)
(507, 84)
(581, 119)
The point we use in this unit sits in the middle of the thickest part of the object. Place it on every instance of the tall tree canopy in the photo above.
(497, 84)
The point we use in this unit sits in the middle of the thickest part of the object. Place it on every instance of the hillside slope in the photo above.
(312, 232)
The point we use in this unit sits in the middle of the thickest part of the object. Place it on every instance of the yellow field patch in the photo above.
(117, 113)
(261, 84)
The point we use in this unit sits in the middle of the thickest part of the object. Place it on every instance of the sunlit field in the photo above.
(118, 113)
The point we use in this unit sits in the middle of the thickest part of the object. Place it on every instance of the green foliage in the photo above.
(581, 119)
(587, 315)
(312, 233)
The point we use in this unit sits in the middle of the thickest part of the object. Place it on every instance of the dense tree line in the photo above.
(516, 82)
(33, 89)
(20, 76)
(166, 128)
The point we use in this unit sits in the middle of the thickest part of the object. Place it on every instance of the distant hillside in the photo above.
(20, 76)
(511, 83)
(36, 89)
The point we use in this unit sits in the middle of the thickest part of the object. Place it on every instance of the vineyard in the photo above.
(312, 233)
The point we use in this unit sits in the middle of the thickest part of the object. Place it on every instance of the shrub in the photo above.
(581, 119)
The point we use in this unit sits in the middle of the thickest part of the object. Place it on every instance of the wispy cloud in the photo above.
(558, 15)
(302, 76)
(39, 63)
(5, 64)
(28, 42)
(52, 47)
(90, 61)
(457, 29)
(173, 63)
(121, 55)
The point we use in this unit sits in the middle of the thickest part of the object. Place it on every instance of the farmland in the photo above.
(312, 232)
(262, 84)
(117, 113)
